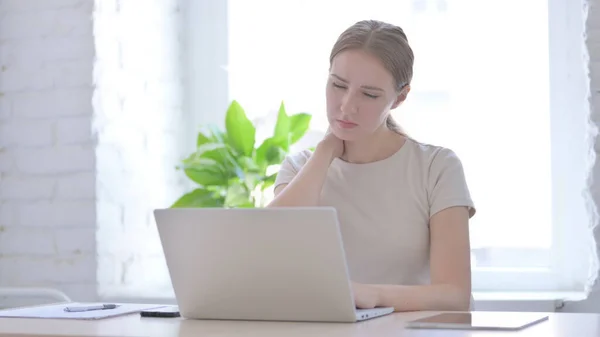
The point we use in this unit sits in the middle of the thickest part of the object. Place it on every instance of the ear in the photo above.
(401, 97)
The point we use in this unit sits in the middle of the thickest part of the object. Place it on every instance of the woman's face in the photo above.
(360, 94)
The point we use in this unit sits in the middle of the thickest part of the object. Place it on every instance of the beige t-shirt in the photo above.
(384, 208)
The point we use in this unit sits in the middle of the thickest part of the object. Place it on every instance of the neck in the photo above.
(382, 144)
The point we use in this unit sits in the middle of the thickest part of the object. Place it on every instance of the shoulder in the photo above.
(441, 166)
(291, 165)
(446, 181)
(433, 157)
(296, 160)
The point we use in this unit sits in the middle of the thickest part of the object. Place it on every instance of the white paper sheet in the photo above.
(57, 311)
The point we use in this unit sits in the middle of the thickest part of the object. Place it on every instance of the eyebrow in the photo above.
(363, 86)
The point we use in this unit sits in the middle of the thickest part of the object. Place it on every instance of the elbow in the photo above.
(280, 203)
(276, 201)
(450, 297)
(273, 204)
(460, 300)
(284, 200)
(461, 305)
(284, 196)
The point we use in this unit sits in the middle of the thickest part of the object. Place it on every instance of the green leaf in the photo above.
(282, 127)
(249, 204)
(299, 124)
(251, 180)
(269, 181)
(240, 131)
(270, 152)
(216, 135)
(207, 148)
(221, 153)
(248, 164)
(210, 134)
(202, 139)
(237, 195)
(199, 198)
(275, 155)
(261, 152)
(205, 172)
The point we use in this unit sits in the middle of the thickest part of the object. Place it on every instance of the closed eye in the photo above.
(338, 86)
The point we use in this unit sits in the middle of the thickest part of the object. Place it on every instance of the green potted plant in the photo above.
(227, 166)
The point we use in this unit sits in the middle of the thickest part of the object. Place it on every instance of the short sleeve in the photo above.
(447, 184)
(290, 166)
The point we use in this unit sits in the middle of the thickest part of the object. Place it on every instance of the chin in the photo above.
(347, 135)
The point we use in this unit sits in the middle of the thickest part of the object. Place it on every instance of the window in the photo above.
(498, 94)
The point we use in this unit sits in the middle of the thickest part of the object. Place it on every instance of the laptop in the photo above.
(270, 264)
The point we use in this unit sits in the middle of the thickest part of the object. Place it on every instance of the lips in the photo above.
(346, 124)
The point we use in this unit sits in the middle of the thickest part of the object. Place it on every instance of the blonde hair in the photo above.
(388, 43)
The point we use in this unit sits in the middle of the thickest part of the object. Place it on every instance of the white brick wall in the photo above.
(592, 29)
(139, 123)
(83, 166)
(47, 162)
(593, 43)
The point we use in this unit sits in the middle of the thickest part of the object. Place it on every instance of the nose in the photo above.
(349, 105)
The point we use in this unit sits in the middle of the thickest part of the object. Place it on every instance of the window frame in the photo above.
(571, 201)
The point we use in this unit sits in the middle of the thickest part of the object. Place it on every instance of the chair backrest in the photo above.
(11, 297)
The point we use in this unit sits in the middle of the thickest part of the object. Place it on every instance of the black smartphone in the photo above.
(168, 311)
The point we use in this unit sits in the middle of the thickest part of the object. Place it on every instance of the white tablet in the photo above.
(480, 320)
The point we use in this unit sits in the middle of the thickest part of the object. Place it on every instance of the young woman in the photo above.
(403, 206)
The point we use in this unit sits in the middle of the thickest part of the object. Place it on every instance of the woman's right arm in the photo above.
(305, 188)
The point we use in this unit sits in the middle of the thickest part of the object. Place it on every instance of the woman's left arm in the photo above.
(450, 268)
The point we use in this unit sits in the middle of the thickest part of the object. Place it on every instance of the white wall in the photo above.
(91, 116)
(47, 161)
(592, 41)
(140, 128)
(79, 177)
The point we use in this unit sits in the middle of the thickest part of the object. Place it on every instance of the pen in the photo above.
(91, 308)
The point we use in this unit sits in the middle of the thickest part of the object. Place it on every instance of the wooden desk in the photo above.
(558, 325)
